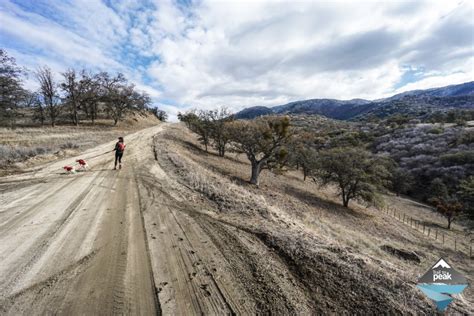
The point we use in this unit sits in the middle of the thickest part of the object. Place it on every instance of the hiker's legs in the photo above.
(116, 159)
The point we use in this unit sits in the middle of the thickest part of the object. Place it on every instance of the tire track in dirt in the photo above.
(210, 268)
(14, 220)
(39, 247)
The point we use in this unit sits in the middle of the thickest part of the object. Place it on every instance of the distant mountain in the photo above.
(255, 111)
(448, 91)
(410, 102)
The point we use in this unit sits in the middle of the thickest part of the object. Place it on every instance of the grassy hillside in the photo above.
(340, 256)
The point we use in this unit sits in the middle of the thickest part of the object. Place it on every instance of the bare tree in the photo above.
(120, 97)
(90, 95)
(49, 93)
(72, 94)
(263, 141)
(34, 102)
(449, 206)
(12, 93)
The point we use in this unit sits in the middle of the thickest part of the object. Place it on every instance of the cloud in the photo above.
(244, 53)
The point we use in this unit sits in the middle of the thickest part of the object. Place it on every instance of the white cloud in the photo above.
(245, 53)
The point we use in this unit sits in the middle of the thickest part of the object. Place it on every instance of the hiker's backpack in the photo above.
(121, 147)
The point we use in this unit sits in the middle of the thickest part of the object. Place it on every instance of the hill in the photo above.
(416, 102)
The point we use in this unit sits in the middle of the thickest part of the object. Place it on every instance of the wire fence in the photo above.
(463, 244)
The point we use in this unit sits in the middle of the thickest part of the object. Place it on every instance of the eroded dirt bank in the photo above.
(166, 235)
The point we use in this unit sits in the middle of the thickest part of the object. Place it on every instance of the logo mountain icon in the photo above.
(440, 282)
(441, 263)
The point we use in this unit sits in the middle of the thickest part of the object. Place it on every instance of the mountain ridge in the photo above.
(418, 101)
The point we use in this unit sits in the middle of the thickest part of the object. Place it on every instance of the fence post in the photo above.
(470, 250)
(423, 228)
(404, 218)
(455, 244)
(443, 238)
(429, 230)
(436, 234)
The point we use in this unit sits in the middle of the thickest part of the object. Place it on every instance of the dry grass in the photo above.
(315, 213)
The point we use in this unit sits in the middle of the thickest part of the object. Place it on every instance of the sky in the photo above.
(206, 54)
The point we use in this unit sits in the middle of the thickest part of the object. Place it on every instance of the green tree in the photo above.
(401, 181)
(437, 189)
(264, 142)
(466, 194)
(201, 125)
(160, 114)
(188, 118)
(219, 133)
(303, 151)
(357, 173)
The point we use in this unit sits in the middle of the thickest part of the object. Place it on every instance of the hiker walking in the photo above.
(119, 149)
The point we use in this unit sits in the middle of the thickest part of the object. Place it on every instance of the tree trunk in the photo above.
(449, 222)
(345, 200)
(76, 120)
(256, 168)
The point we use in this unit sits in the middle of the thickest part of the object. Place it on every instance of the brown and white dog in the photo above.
(83, 166)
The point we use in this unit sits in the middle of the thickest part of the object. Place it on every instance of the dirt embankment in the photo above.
(178, 231)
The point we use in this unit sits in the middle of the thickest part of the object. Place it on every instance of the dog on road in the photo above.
(69, 169)
(83, 166)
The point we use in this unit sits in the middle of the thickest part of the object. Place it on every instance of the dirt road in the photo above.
(75, 244)
(126, 242)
